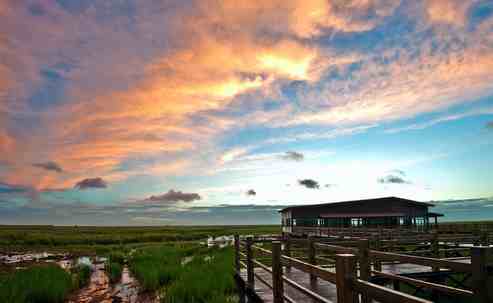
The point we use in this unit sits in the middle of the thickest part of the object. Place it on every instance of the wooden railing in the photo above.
(350, 258)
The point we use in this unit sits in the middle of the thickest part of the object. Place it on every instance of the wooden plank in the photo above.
(439, 287)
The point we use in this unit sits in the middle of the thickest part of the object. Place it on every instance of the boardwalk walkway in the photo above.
(323, 288)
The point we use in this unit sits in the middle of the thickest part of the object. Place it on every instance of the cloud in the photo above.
(309, 183)
(50, 165)
(393, 179)
(62, 83)
(91, 183)
(448, 12)
(442, 119)
(175, 196)
(293, 156)
(251, 192)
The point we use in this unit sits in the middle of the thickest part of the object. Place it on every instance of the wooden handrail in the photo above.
(458, 266)
(311, 269)
(384, 294)
(337, 248)
(305, 291)
(262, 280)
(421, 283)
(263, 266)
(263, 250)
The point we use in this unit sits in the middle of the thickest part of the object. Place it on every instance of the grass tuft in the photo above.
(38, 284)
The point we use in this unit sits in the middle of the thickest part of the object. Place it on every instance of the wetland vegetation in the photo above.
(160, 264)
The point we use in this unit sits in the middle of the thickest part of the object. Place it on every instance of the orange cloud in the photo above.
(448, 11)
(128, 95)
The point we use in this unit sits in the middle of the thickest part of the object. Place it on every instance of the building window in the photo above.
(356, 222)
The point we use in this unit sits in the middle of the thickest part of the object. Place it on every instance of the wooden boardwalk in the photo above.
(323, 288)
(349, 271)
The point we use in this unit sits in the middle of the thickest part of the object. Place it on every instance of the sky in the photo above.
(222, 112)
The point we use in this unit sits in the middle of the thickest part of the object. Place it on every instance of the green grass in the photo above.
(83, 239)
(81, 275)
(207, 277)
(157, 266)
(114, 271)
(38, 284)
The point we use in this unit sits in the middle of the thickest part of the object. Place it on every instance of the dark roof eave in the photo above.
(355, 201)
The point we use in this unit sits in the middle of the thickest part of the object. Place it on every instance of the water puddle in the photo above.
(221, 241)
(17, 258)
(100, 290)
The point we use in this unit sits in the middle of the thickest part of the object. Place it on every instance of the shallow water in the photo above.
(16, 258)
(99, 289)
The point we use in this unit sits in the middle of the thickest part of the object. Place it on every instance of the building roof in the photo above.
(349, 203)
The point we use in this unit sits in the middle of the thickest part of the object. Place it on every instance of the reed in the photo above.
(38, 284)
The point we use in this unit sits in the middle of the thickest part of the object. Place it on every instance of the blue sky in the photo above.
(167, 112)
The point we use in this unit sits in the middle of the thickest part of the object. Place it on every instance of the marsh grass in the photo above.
(207, 277)
(81, 275)
(157, 266)
(38, 284)
(77, 238)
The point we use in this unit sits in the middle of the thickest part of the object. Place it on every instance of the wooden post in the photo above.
(364, 265)
(277, 282)
(287, 251)
(435, 248)
(479, 257)
(241, 292)
(485, 238)
(237, 254)
(345, 274)
(377, 265)
(396, 285)
(477, 237)
(249, 261)
(311, 257)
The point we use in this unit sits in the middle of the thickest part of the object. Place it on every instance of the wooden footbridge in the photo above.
(350, 269)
